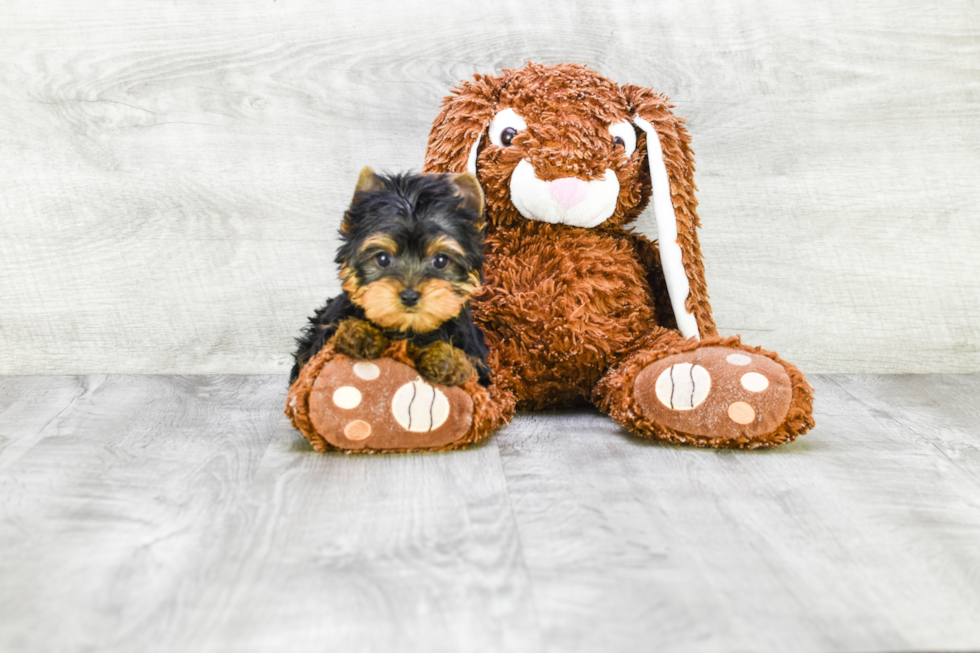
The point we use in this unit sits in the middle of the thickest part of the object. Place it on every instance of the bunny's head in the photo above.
(562, 144)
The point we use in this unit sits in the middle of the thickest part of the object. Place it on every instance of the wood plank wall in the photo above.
(172, 173)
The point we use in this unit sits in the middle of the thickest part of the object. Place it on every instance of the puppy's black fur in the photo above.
(410, 213)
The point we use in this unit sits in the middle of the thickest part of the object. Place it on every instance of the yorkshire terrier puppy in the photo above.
(411, 259)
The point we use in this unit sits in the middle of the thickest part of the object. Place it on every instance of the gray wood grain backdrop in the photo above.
(172, 173)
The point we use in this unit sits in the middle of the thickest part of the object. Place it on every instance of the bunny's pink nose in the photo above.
(569, 191)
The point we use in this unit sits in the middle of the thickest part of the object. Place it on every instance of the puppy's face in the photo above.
(412, 253)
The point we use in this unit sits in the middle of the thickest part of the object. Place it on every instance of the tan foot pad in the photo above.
(384, 404)
(715, 392)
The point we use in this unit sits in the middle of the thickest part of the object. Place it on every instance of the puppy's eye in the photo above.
(383, 259)
(504, 127)
(440, 261)
(623, 136)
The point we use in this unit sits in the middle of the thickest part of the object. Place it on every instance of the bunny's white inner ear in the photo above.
(471, 161)
(671, 261)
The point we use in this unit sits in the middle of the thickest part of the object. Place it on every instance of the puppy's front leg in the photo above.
(359, 339)
(442, 363)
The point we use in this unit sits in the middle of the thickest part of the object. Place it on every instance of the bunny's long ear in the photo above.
(675, 209)
(454, 141)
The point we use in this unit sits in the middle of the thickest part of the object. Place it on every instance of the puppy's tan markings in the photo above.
(444, 244)
(381, 241)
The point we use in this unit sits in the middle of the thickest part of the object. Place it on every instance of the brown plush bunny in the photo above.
(577, 308)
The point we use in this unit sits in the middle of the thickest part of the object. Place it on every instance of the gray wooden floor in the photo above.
(164, 513)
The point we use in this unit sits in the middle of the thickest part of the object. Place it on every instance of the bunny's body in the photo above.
(562, 305)
(577, 307)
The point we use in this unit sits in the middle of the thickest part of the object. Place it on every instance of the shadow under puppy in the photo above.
(410, 261)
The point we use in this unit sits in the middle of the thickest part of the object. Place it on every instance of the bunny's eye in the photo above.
(505, 126)
(623, 136)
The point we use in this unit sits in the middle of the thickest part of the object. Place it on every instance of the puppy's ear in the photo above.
(367, 181)
(468, 188)
(671, 166)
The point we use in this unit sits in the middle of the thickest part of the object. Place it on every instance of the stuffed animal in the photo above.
(576, 307)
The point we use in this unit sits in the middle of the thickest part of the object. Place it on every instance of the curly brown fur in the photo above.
(568, 109)
(563, 305)
(553, 335)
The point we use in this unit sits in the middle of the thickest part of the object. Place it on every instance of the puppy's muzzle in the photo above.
(409, 297)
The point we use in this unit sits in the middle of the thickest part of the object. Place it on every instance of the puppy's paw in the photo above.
(359, 339)
(442, 363)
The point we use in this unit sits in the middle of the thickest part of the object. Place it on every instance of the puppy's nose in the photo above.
(568, 191)
(410, 297)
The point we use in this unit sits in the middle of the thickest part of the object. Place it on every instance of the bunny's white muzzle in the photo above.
(568, 200)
